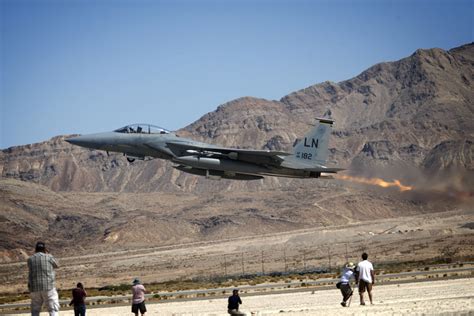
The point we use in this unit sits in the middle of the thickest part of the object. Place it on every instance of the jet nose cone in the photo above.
(86, 141)
(93, 141)
(77, 140)
(71, 140)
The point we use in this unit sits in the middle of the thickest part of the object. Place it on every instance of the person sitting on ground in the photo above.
(138, 299)
(344, 283)
(366, 278)
(78, 300)
(233, 304)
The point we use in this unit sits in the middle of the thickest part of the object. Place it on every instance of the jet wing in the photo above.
(261, 157)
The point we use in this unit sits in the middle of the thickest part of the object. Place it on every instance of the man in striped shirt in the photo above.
(41, 280)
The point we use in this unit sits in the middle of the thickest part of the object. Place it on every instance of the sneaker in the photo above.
(362, 303)
(343, 304)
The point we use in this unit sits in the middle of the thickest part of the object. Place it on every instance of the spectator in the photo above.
(138, 300)
(344, 283)
(366, 278)
(41, 281)
(233, 304)
(78, 300)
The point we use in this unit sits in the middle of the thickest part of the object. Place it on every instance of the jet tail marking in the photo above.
(313, 148)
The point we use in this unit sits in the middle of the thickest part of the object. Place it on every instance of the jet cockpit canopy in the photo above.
(142, 129)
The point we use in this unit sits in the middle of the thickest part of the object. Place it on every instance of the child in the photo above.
(78, 300)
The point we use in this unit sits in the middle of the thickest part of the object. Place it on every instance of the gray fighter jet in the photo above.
(137, 141)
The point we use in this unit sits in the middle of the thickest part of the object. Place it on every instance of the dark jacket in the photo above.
(234, 302)
(78, 296)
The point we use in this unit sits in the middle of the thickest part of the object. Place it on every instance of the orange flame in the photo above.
(376, 181)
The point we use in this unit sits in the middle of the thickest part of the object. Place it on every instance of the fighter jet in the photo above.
(138, 141)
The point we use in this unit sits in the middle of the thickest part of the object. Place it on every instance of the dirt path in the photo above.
(453, 297)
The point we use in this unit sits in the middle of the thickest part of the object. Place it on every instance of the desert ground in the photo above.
(402, 239)
(446, 297)
(391, 240)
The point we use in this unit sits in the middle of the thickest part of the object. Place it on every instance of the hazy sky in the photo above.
(83, 66)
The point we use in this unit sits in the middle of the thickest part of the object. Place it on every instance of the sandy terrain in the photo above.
(453, 297)
(390, 240)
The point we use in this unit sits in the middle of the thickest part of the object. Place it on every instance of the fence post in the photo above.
(347, 256)
(304, 261)
(225, 266)
(329, 257)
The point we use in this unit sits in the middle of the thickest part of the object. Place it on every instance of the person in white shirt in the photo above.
(344, 283)
(138, 298)
(365, 278)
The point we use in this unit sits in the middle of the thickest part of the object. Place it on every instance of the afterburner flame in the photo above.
(376, 181)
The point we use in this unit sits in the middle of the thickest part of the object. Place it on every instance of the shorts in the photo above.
(49, 298)
(140, 306)
(364, 285)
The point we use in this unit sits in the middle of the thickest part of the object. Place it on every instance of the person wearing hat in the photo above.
(41, 281)
(138, 299)
(344, 283)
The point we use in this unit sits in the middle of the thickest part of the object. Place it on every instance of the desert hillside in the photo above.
(410, 120)
(415, 113)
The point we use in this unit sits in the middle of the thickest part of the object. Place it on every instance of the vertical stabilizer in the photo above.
(313, 147)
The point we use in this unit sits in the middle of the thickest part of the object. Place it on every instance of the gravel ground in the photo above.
(446, 297)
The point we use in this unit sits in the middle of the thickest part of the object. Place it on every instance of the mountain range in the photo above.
(410, 120)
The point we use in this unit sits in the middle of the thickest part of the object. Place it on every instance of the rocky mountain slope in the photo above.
(412, 120)
(415, 112)
(75, 223)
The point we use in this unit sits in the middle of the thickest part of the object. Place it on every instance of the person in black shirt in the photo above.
(78, 300)
(234, 302)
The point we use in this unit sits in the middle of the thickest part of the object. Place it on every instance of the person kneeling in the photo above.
(233, 304)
